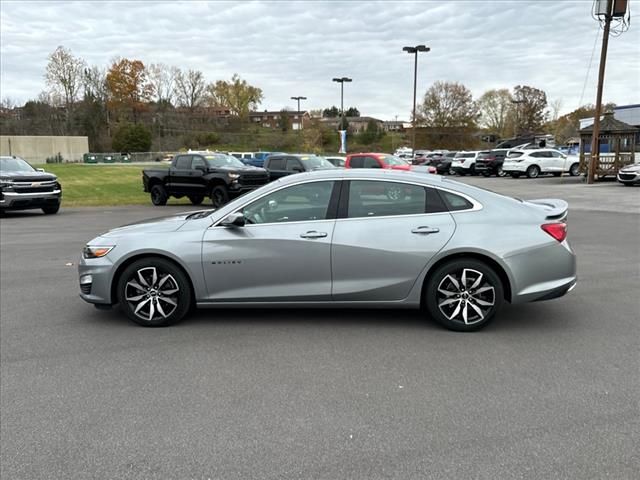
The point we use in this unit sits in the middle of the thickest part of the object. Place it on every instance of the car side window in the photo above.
(370, 162)
(298, 203)
(276, 163)
(356, 162)
(294, 165)
(369, 198)
(183, 162)
(198, 162)
(556, 154)
(455, 202)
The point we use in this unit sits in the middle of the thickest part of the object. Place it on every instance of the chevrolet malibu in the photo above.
(336, 238)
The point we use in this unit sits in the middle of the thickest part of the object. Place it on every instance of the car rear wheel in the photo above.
(533, 171)
(486, 173)
(574, 171)
(51, 210)
(464, 294)
(196, 199)
(219, 196)
(159, 195)
(154, 292)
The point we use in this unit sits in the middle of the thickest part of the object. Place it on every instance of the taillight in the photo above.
(556, 230)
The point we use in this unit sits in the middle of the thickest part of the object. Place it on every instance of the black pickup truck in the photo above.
(197, 175)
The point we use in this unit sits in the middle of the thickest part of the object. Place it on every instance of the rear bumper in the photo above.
(24, 201)
(463, 170)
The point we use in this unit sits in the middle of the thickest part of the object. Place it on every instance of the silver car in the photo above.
(339, 238)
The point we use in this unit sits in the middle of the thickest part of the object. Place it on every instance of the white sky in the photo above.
(295, 48)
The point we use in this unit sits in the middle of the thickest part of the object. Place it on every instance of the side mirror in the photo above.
(234, 220)
(41, 170)
(297, 169)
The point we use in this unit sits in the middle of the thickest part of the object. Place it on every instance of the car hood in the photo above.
(244, 169)
(152, 225)
(635, 168)
(27, 176)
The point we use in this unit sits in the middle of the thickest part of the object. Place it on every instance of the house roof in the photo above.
(277, 112)
(351, 119)
(610, 124)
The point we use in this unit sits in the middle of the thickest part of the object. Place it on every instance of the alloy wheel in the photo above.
(152, 294)
(466, 296)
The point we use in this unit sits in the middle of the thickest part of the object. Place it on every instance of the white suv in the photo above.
(464, 163)
(532, 163)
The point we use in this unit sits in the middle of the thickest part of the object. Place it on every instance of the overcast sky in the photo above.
(295, 48)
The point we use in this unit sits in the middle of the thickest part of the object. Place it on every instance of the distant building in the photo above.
(299, 120)
(356, 124)
(625, 113)
(395, 126)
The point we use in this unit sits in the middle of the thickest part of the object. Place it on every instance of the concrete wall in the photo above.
(36, 149)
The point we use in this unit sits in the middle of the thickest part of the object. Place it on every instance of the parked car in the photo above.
(376, 160)
(242, 155)
(442, 162)
(533, 163)
(258, 158)
(333, 238)
(286, 164)
(337, 161)
(464, 163)
(420, 157)
(23, 187)
(489, 162)
(630, 175)
(197, 175)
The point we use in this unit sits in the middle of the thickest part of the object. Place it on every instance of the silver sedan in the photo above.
(339, 238)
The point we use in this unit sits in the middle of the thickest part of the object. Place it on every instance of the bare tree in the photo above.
(190, 88)
(64, 75)
(448, 104)
(163, 79)
(555, 106)
(95, 83)
(495, 107)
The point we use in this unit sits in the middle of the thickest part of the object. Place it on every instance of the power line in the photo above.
(586, 78)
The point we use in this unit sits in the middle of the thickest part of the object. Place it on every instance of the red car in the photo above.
(382, 160)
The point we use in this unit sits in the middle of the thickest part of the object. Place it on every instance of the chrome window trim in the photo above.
(476, 205)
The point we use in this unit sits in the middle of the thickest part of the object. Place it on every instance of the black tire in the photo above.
(533, 171)
(486, 173)
(472, 169)
(500, 172)
(628, 184)
(451, 313)
(196, 199)
(51, 210)
(159, 195)
(515, 175)
(574, 170)
(219, 196)
(557, 174)
(156, 306)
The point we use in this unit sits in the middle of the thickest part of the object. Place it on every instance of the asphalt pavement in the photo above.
(548, 390)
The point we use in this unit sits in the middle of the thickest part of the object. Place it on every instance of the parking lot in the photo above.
(548, 390)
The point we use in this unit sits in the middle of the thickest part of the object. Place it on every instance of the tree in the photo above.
(530, 107)
(190, 88)
(352, 112)
(236, 95)
(128, 86)
(568, 125)
(332, 112)
(163, 80)
(64, 77)
(371, 133)
(448, 104)
(132, 138)
(95, 83)
(494, 107)
(284, 122)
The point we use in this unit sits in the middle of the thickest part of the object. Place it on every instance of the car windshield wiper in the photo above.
(201, 214)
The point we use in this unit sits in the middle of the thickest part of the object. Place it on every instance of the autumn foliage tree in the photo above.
(448, 104)
(236, 95)
(128, 86)
(495, 107)
(530, 108)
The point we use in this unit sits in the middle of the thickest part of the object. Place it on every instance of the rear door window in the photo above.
(276, 163)
(356, 162)
(369, 198)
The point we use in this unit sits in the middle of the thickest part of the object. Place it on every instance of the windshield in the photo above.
(10, 164)
(391, 160)
(315, 163)
(222, 160)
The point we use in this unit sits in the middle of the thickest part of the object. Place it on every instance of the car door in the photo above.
(283, 253)
(558, 161)
(180, 175)
(276, 167)
(386, 234)
(198, 182)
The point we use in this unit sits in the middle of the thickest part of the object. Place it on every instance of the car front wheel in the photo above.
(464, 294)
(533, 171)
(219, 196)
(51, 210)
(154, 292)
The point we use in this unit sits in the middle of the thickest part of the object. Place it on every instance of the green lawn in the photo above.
(98, 185)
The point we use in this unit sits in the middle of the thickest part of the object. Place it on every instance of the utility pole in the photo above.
(414, 51)
(595, 140)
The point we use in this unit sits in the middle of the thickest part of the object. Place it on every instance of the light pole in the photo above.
(414, 51)
(341, 81)
(298, 99)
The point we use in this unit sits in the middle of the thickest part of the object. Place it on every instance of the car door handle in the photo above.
(313, 234)
(425, 230)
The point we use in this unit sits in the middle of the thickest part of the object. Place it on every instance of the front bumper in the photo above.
(24, 201)
(100, 271)
(630, 178)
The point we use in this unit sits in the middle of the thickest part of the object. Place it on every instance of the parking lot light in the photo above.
(414, 51)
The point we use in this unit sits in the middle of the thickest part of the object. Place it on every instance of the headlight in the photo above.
(234, 176)
(92, 251)
(6, 184)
